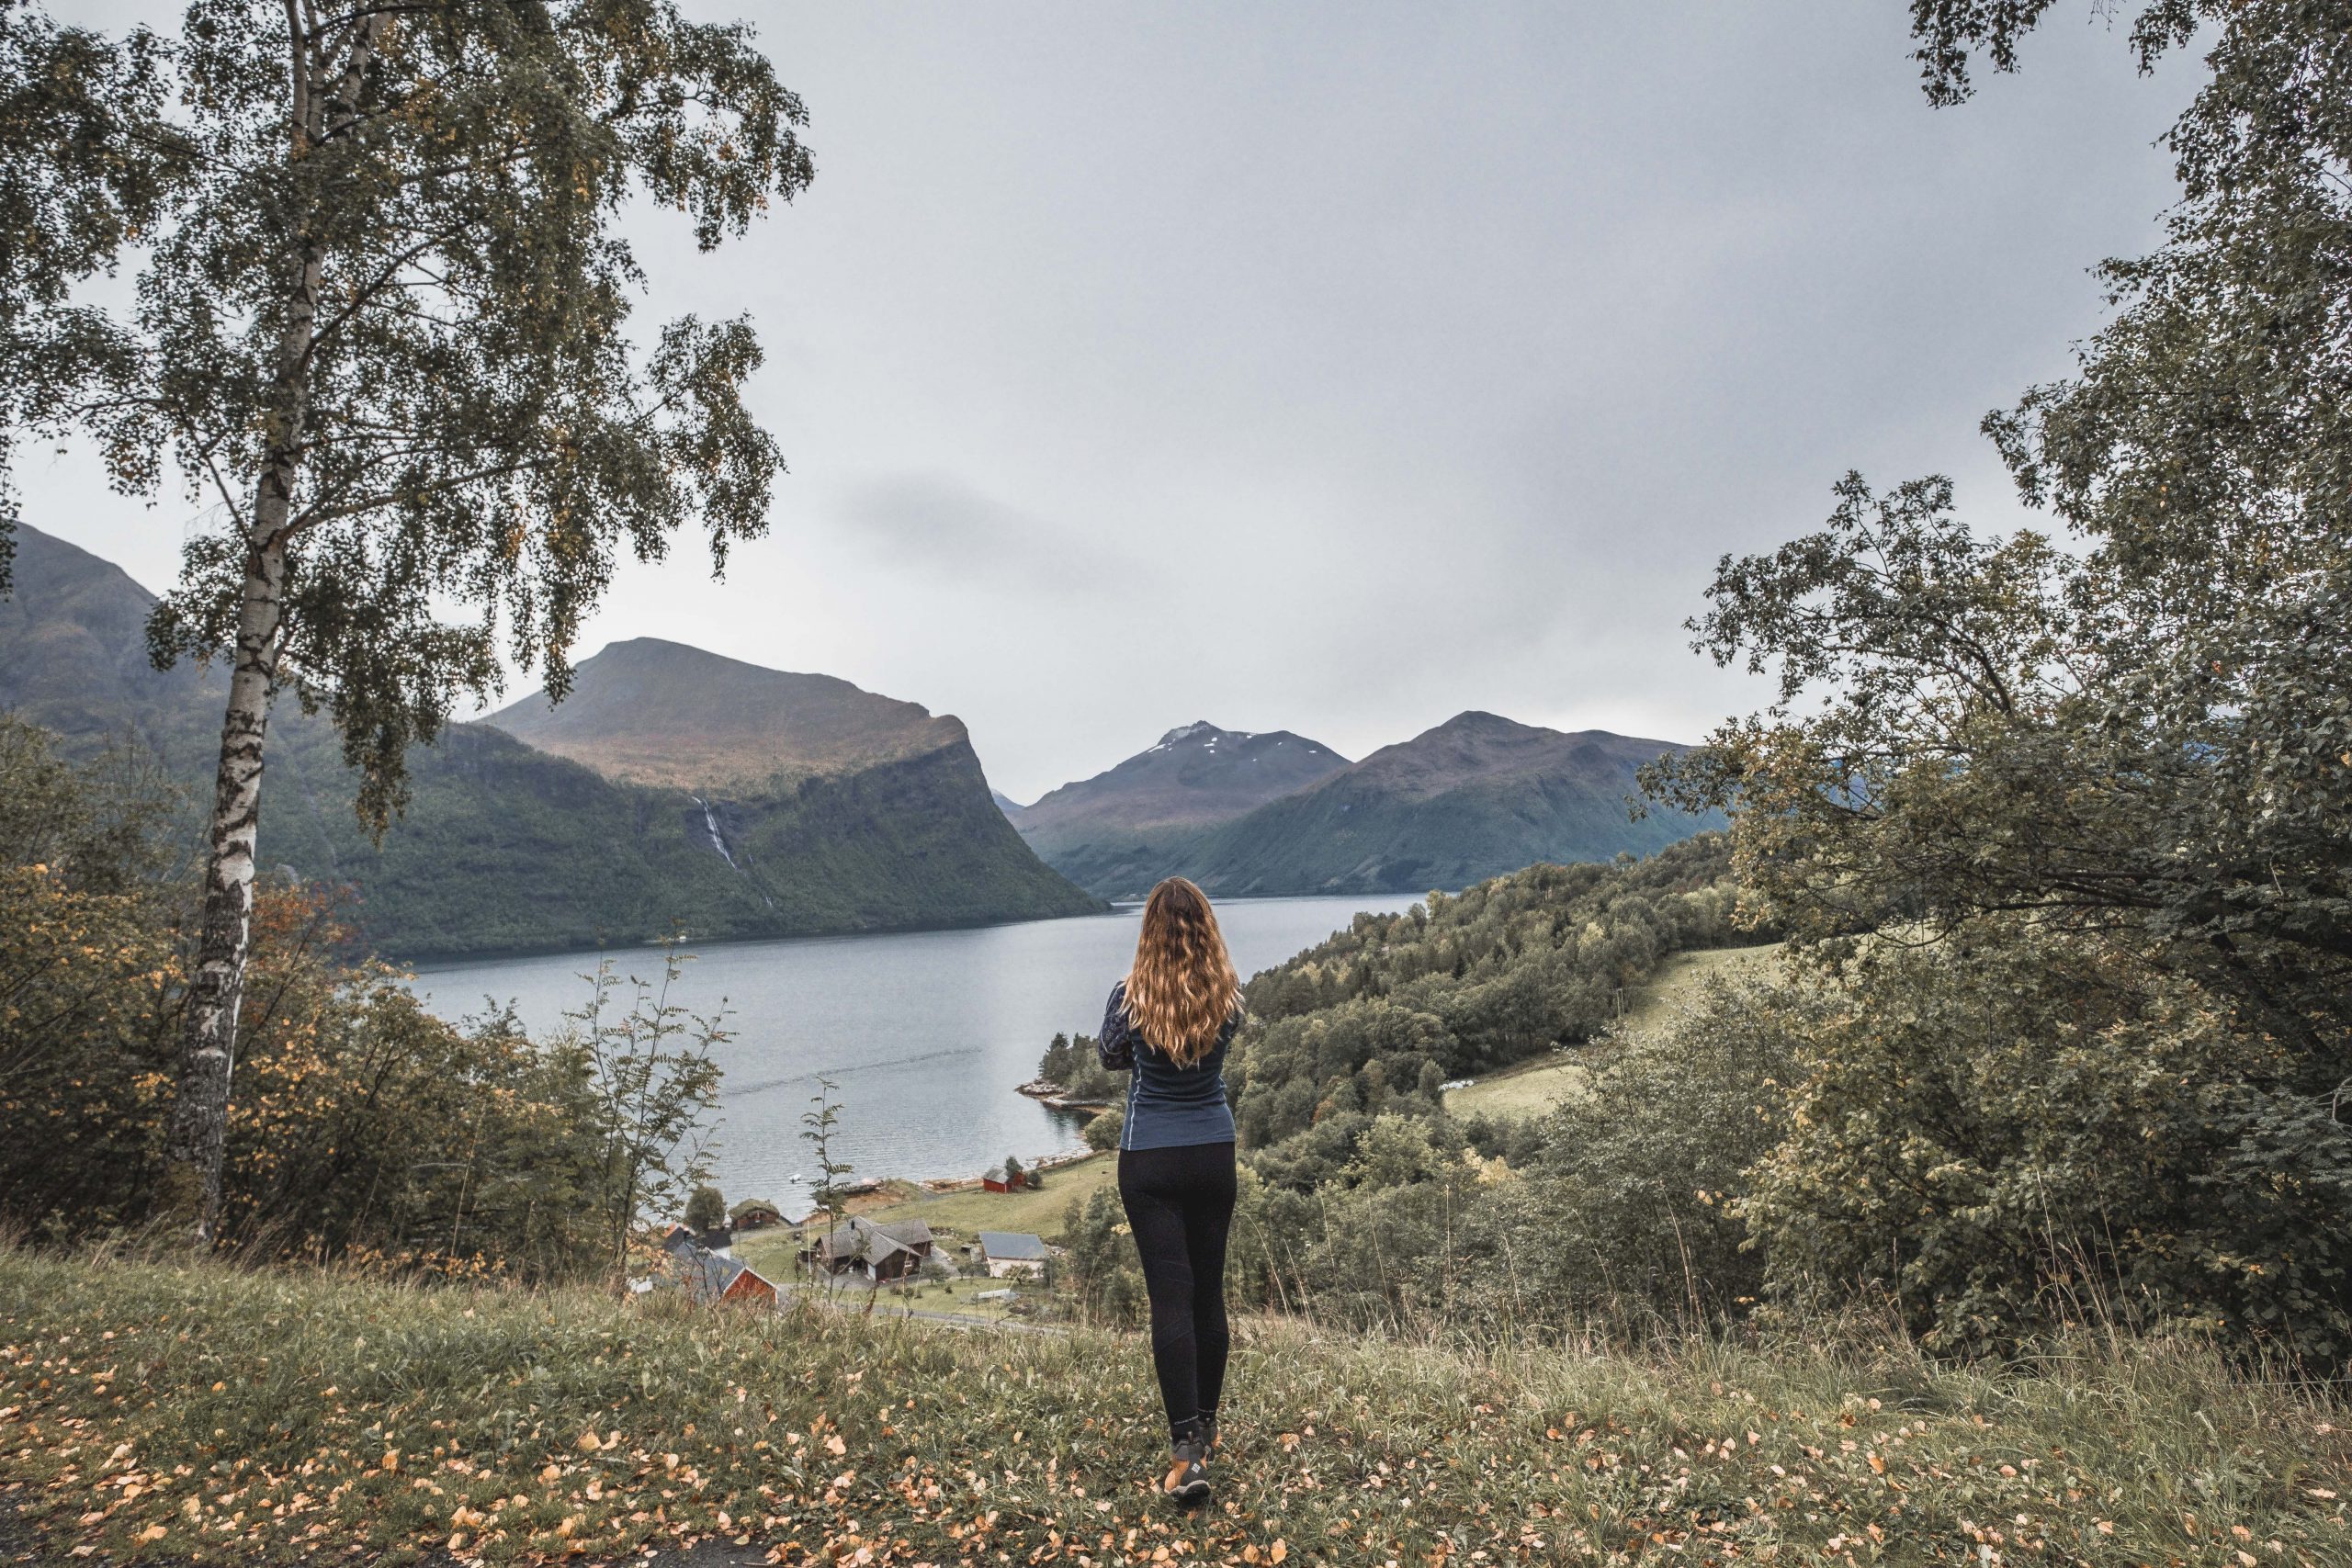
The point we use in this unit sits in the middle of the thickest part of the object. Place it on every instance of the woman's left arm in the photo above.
(1115, 1046)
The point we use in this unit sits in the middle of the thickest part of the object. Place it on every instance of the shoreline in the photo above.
(421, 965)
(1043, 1162)
(1049, 1094)
(893, 1191)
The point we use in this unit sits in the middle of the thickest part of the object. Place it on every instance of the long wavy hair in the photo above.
(1183, 989)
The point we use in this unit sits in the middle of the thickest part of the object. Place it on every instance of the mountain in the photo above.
(74, 659)
(1476, 796)
(652, 712)
(1117, 833)
(856, 813)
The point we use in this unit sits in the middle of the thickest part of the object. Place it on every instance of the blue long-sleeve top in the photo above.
(1168, 1106)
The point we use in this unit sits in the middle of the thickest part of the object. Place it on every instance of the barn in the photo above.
(1008, 1253)
(880, 1250)
(709, 1276)
(756, 1215)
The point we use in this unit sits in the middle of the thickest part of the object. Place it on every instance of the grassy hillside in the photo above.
(1377, 1017)
(1534, 1086)
(1039, 1211)
(205, 1415)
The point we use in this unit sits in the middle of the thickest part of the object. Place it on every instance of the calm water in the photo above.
(925, 1033)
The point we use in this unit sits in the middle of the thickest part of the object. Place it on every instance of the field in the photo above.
(957, 1301)
(954, 1217)
(157, 1413)
(1038, 1212)
(1532, 1088)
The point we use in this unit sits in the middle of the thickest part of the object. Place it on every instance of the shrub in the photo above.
(1638, 1181)
(706, 1210)
(361, 1128)
(1104, 1133)
(1099, 1264)
(1620, 1206)
(2005, 1135)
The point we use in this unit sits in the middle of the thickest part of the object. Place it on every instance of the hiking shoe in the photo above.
(1187, 1478)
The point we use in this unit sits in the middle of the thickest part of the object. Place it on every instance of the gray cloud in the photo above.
(1337, 366)
(933, 522)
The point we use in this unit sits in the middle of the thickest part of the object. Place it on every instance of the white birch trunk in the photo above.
(197, 1140)
(199, 1127)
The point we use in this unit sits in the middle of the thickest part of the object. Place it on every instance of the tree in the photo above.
(370, 1133)
(1103, 1132)
(2132, 757)
(2148, 732)
(706, 1210)
(379, 332)
(818, 1126)
(1013, 1175)
(653, 1086)
(88, 162)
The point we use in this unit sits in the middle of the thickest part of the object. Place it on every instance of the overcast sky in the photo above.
(1338, 367)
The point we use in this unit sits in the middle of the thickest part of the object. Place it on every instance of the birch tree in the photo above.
(85, 161)
(379, 332)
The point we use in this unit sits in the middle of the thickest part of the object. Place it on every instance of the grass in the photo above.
(152, 1412)
(1680, 975)
(960, 1297)
(1532, 1088)
(954, 1217)
(1038, 1211)
(1527, 1088)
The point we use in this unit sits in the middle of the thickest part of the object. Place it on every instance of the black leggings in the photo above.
(1180, 1204)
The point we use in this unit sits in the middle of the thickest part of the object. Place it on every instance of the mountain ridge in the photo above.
(648, 710)
(506, 848)
(1476, 797)
(1106, 832)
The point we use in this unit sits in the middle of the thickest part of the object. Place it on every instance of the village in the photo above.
(967, 1251)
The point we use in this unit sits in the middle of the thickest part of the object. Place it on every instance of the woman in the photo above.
(1168, 1024)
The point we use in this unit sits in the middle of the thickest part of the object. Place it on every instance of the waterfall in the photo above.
(711, 822)
(718, 842)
